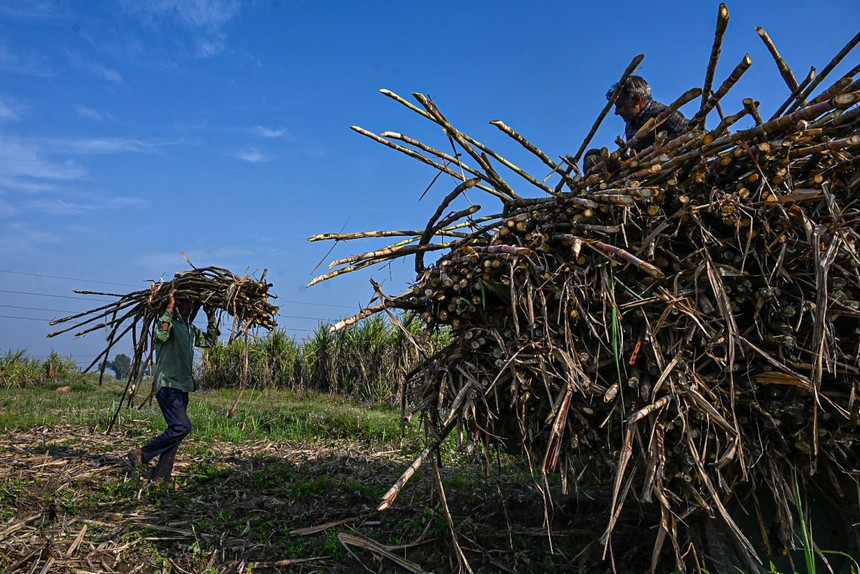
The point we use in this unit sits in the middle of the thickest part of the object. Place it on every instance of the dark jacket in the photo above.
(174, 351)
(675, 125)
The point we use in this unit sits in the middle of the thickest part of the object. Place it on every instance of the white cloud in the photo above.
(10, 110)
(205, 15)
(107, 73)
(265, 132)
(89, 113)
(251, 155)
(209, 15)
(6, 113)
(101, 146)
(7, 209)
(25, 168)
(25, 186)
(31, 64)
(208, 47)
(20, 162)
(61, 206)
(30, 10)
(22, 239)
(95, 68)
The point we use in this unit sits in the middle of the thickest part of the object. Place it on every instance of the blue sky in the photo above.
(134, 130)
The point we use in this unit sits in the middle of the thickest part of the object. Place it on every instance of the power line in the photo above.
(68, 311)
(38, 309)
(316, 304)
(130, 285)
(66, 278)
(23, 318)
(324, 319)
(50, 295)
(101, 300)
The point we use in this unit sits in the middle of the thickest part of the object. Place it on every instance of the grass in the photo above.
(287, 460)
(262, 415)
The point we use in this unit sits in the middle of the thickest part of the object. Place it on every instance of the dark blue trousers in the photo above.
(174, 407)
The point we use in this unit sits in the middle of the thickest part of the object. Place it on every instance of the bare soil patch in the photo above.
(70, 502)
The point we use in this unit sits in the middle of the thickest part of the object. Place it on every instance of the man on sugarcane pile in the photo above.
(175, 339)
(636, 106)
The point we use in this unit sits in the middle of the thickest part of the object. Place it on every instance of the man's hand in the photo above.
(210, 313)
(153, 291)
(171, 304)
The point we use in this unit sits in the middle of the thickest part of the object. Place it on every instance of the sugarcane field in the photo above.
(627, 359)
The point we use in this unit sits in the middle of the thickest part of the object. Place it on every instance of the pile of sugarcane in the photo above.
(244, 298)
(682, 321)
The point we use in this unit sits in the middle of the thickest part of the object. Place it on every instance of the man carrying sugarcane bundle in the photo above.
(175, 338)
(636, 106)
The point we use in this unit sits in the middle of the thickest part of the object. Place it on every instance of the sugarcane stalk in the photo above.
(114, 322)
(752, 107)
(795, 95)
(597, 228)
(387, 253)
(716, 48)
(102, 311)
(112, 340)
(84, 292)
(827, 69)
(449, 230)
(424, 147)
(607, 249)
(733, 78)
(833, 145)
(532, 148)
(389, 497)
(653, 123)
(362, 235)
(837, 88)
(374, 257)
(423, 159)
(388, 249)
(650, 155)
(637, 192)
(631, 67)
(507, 249)
(432, 227)
(139, 308)
(729, 121)
(502, 187)
(842, 101)
(468, 138)
(846, 117)
(784, 70)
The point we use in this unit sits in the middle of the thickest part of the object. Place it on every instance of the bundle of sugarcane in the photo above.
(244, 298)
(686, 318)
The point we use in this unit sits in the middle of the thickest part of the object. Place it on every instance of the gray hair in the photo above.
(634, 86)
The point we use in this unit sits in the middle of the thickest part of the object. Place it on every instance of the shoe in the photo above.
(135, 456)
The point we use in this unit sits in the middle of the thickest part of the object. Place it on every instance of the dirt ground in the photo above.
(69, 502)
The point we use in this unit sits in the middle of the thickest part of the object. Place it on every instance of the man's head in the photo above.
(632, 99)
(187, 309)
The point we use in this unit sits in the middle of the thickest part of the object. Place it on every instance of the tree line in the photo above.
(369, 359)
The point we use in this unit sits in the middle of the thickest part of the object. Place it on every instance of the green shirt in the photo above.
(174, 351)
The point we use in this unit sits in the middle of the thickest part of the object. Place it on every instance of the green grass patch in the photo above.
(261, 415)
